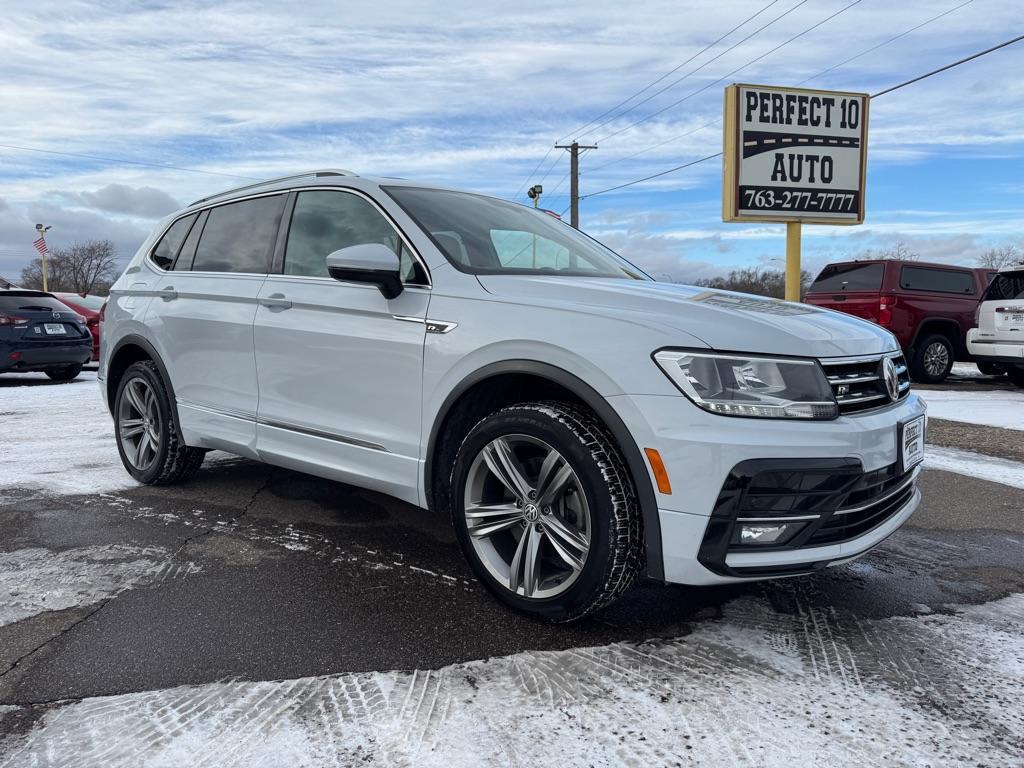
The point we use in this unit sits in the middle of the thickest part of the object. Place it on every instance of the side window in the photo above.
(187, 254)
(524, 250)
(239, 237)
(325, 221)
(941, 280)
(165, 251)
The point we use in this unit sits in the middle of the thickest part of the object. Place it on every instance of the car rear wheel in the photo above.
(991, 369)
(1016, 374)
(146, 431)
(545, 510)
(933, 360)
(64, 373)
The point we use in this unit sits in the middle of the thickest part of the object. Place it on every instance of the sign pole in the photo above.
(792, 261)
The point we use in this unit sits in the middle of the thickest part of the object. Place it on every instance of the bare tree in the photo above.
(85, 267)
(1004, 256)
(762, 282)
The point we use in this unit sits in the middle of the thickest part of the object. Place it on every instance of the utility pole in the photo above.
(574, 179)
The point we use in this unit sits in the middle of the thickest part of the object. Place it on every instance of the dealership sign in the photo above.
(792, 154)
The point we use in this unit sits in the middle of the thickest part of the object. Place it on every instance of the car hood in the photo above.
(722, 320)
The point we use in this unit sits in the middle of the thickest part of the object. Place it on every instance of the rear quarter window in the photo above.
(837, 278)
(938, 280)
(165, 251)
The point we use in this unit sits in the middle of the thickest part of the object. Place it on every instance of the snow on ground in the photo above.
(977, 465)
(994, 409)
(36, 580)
(58, 436)
(755, 687)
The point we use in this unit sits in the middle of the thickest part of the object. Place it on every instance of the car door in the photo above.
(339, 366)
(203, 316)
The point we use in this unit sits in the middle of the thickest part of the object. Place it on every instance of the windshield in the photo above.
(848, 277)
(1006, 285)
(484, 235)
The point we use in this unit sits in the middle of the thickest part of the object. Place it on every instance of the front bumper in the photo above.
(701, 450)
(988, 348)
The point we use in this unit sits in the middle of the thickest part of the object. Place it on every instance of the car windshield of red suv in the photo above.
(849, 277)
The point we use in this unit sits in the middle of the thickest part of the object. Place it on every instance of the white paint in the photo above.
(37, 580)
(977, 465)
(808, 688)
(994, 409)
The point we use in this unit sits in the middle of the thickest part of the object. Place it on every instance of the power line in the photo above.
(673, 71)
(805, 80)
(948, 66)
(866, 51)
(126, 162)
(730, 74)
(873, 96)
(653, 176)
(530, 175)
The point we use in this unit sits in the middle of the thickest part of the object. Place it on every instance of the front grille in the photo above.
(833, 500)
(874, 500)
(858, 384)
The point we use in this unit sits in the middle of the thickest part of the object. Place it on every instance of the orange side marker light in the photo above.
(660, 474)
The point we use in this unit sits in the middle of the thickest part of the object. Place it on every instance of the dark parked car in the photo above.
(87, 306)
(929, 307)
(40, 333)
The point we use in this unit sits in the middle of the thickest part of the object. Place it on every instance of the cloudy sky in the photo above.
(473, 94)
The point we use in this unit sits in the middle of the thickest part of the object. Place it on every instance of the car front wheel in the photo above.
(144, 425)
(545, 510)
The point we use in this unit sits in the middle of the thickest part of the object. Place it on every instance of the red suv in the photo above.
(929, 307)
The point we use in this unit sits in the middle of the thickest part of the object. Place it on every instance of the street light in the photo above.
(42, 230)
(534, 194)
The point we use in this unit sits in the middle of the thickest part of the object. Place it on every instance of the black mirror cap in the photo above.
(389, 283)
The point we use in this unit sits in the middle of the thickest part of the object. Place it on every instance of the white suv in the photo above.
(998, 338)
(582, 423)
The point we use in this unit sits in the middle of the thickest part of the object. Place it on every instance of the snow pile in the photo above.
(993, 409)
(59, 437)
(808, 688)
(977, 465)
(36, 580)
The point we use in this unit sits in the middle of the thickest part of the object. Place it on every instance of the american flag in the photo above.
(40, 245)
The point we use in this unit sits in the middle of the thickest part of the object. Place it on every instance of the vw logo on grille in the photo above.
(892, 381)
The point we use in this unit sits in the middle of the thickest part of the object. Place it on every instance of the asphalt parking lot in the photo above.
(182, 599)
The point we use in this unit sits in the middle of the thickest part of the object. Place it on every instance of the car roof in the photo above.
(905, 262)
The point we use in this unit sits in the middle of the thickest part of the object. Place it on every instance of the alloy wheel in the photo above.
(138, 424)
(527, 516)
(936, 359)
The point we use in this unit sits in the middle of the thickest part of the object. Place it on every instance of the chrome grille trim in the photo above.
(858, 384)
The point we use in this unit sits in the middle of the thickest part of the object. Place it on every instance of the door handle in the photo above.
(275, 301)
(167, 293)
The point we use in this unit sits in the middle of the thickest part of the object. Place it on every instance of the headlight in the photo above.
(761, 387)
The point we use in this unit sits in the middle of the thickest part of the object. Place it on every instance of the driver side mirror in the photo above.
(371, 263)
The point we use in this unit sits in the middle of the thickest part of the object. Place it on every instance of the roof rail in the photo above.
(315, 174)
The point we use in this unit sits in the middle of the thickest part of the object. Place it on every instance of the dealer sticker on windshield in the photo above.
(911, 441)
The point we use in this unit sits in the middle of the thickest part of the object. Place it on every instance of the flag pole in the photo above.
(42, 252)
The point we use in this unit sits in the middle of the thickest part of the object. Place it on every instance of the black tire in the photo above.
(1016, 374)
(615, 555)
(991, 369)
(922, 364)
(174, 462)
(65, 373)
